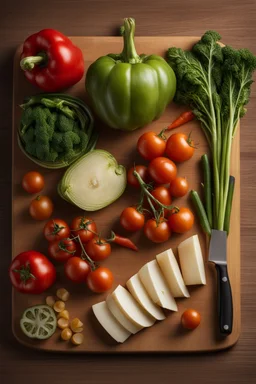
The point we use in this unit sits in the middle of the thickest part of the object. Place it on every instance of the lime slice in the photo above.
(38, 322)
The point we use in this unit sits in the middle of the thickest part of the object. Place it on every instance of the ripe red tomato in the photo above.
(41, 208)
(32, 272)
(162, 170)
(162, 194)
(56, 229)
(157, 232)
(151, 145)
(181, 221)
(131, 219)
(142, 171)
(84, 227)
(180, 147)
(190, 319)
(62, 250)
(100, 280)
(33, 182)
(77, 269)
(98, 249)
(179, 187)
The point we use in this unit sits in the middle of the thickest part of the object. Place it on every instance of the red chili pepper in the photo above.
(123, 241)
(185, 117)
(51, 61)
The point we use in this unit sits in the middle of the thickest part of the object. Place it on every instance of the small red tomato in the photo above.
(180, 147)
(141, 170)
(162, 194)
(98, 249)
(181, 221)
(158, 232)
(33, 182)
(56, 229)
(162, 170)
(41, 208)
(62, 250)
(151, 145)
(100, 280)
(179, 187)
(131, 219)
(84, 227)
(77, 269)
(190, 319)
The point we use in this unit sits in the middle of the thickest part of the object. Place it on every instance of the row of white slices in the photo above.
(154, 287)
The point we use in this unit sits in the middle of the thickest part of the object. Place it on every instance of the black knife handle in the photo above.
(225, 304)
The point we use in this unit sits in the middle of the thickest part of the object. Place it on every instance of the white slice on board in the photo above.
(156, 286)
(191, 261)
(131, 309)
(120, 317)
(140, 294)
(109, 322)
(171, 271)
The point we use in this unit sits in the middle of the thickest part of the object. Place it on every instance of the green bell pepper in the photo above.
(128, 90)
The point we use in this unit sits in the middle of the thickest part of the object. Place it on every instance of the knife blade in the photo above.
(218, 256)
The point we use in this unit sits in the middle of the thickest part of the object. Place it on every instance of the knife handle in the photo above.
(225, 303)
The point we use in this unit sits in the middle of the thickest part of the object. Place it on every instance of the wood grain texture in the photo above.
(235, 20)
(164, 336)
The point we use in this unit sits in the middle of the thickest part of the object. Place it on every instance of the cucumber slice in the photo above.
(38, 322)
(94, 181)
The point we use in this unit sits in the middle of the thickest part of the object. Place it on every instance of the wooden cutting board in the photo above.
(165, 336)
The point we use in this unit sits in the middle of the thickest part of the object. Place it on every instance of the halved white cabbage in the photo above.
(94, 181)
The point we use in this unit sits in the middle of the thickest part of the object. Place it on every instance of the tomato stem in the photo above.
(87, 257)
(145, 187)
(25, 273)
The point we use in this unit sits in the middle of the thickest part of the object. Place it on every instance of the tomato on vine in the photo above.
(62, 250)
(84, 227)
(98, 249)
(157, 230)
(179, 187)
(181, 220)
(56, 229)
(162, 170)
(77, 269)
(132, 219)
(142, 171)
(151, 145)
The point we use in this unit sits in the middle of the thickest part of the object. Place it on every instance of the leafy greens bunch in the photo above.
(215, 82)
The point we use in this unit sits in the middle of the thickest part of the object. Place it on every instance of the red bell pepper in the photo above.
(51, 61)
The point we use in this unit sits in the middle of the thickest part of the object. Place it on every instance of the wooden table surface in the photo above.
(235, 21)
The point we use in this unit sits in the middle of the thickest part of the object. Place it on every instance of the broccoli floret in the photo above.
(29, 135)
(64, 123)
(31, 148)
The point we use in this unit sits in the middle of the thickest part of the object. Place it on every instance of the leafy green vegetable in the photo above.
(215, 82)
(55, 129)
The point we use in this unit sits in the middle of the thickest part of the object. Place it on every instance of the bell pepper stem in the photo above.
(129, 53)
(29, 62)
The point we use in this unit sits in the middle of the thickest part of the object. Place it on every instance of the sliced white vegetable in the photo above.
(120, 316)
(171, 271)
(191, 261)
(140, 294)
(94, 181)
(109, 322)
(131, 309)
(156, 286)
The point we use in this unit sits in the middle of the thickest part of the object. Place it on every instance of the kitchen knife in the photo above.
(218, 255)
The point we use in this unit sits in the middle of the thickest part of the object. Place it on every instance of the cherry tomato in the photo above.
(41, 208)
(131, 219)
(32, 272)
(162, 170)
(180, 147)
(151, 145)
(77, 269)
(162, 194)
(157, 232)
(142, 171)
(100, 280)
(56, 229)
(62, 250)
(190, 319)
(181, 221)
(98, 249)
(84, 227)
(33, 182)
(179, 187)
